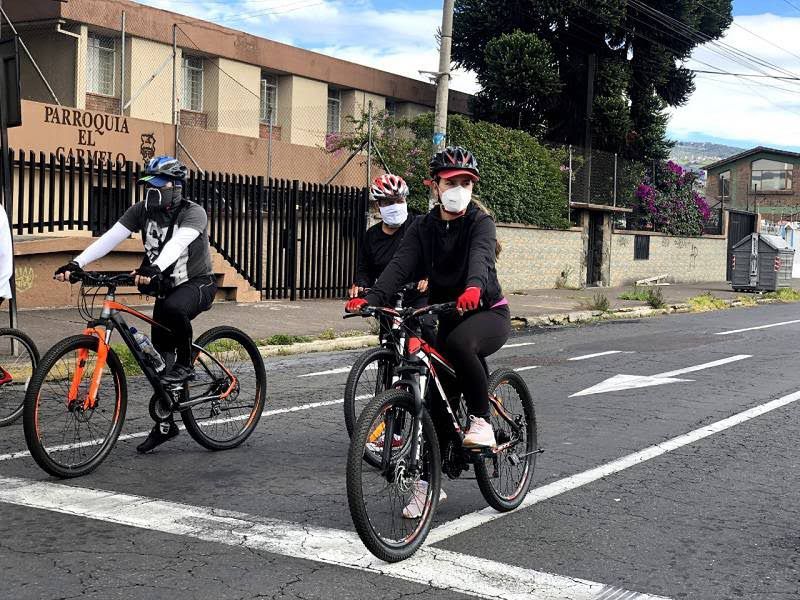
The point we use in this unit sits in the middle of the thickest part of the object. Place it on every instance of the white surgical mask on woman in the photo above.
(394, 215)
(456, 200)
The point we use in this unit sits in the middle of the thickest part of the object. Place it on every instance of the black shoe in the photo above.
(178, 374)
(160, 433)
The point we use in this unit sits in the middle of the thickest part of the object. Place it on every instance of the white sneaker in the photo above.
(415, 506)
(480, 434)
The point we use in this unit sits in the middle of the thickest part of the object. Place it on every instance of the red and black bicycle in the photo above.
(425, 429)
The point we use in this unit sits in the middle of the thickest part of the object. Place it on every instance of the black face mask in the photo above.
(162, 198)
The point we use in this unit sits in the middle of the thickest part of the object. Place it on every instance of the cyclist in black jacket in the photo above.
(381, 242)
(455, 245)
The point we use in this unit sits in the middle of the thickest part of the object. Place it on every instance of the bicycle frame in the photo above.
(111, 318)
(418, 365)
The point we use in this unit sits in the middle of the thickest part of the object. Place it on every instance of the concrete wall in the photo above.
(55, 54)
(536, 258)
(356, 102)
(409, 110)
(683, 260)
(143, 58)
(302, 110)
(232, 92)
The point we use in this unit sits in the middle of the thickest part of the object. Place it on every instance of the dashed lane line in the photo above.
(434, 567)
(758, 327)
(545, 492)
(599, 354)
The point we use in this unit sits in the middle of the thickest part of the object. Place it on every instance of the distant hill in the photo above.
(695, 155)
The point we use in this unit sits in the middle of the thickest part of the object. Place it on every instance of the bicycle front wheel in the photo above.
(504, 479)
(392, 505)
(230, 373)
(18, 360)
(67, 435)
(370, 375)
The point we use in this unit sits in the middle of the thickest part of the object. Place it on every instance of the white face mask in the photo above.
(394, 215)
(456, 200)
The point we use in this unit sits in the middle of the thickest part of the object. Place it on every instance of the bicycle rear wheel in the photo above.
(228, 369)
(18, 359)
(504, 479)
(377, 495)
(66, 437)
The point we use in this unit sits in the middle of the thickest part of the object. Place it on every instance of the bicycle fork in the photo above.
(90, 401)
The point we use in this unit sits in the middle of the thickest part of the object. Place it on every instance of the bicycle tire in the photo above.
(352, 402)
(31, 424)
(33, 353)
(485, 478)
(355, 472)
(200, 430)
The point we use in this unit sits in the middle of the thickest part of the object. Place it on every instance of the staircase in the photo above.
(231, 286)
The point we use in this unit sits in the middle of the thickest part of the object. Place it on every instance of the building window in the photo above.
(725, 186)
(334, 110)
(771, 176)
(641, 247)
(193, 83)
(269, 98)
(391, 109)
(100, 68)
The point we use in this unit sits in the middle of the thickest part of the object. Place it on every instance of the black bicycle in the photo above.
(76, 401)
(374, 369)
(18, 359)
(383, 479)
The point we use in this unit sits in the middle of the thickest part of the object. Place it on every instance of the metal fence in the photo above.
(289, 239)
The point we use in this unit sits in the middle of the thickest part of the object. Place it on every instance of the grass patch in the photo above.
(784, 295)
(129, 364)
(562, 281)
(652, 295)
(706, 302)
(746, 300)
(328, 334)
(597, 302)
(284, 339)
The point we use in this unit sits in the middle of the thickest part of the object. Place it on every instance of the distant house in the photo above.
(762, 179)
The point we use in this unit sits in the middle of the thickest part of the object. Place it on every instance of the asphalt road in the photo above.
(684, 488)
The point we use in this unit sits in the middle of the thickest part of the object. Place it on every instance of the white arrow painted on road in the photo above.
(629, 382)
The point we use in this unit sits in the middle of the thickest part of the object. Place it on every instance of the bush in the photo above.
(521, 180)
(653, 296)
(669, 202)
(598, 302)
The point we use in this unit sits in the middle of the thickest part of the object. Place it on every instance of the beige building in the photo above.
(166, 68)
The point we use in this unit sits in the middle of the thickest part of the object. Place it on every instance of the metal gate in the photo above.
(594, 258)
(740, 225)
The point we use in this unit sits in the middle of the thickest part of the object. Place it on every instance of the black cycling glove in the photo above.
(156, 285)
(71, 266)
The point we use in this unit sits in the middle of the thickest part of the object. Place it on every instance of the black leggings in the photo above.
(176, 311)
(465, 342)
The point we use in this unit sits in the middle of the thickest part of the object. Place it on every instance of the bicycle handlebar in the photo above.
(100, 279)
(406, 313)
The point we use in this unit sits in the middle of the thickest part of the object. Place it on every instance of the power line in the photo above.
(794, 6)
(743, 74)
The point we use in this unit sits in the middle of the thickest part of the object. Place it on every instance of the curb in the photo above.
(345, 343)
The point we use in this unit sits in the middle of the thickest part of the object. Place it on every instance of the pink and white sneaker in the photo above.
(480, 434)
(415, 506)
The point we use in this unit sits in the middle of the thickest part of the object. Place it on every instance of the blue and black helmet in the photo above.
(161, 170)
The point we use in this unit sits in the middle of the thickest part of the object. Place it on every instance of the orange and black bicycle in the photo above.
(76, 401)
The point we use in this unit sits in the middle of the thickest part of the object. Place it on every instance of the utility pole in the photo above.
(591, 68)
(443, 78)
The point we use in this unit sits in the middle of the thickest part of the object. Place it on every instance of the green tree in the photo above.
(637, 49)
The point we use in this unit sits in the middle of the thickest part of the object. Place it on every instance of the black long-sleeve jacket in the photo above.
(377, 251)
(453, 255)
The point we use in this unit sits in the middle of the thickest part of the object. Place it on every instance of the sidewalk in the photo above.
(313, 317)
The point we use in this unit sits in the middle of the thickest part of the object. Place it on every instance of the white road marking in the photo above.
(759, 327)
(598, 354)
(370, 367)
(526, 368)
(545, 492)
(622, 382)
(432, 567)
(141, 434)
(519, 345)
